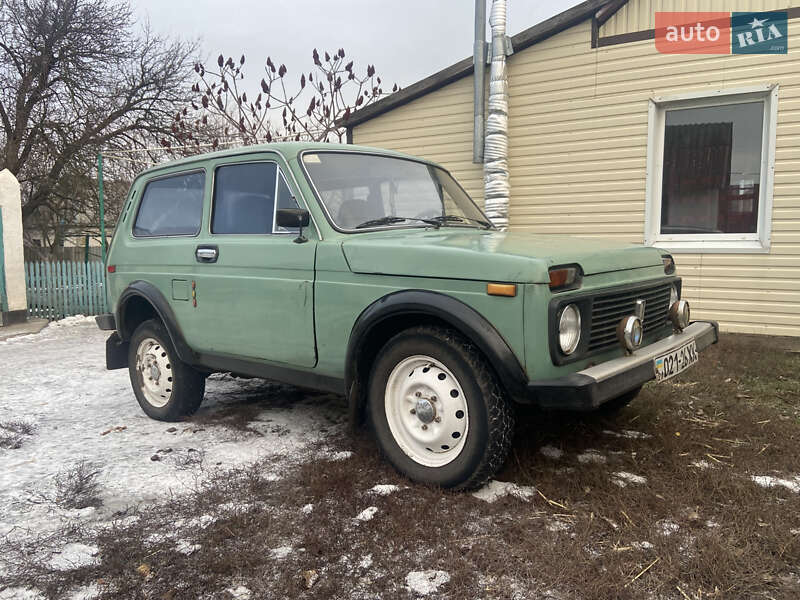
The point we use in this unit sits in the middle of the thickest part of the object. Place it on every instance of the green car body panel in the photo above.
(269, 300)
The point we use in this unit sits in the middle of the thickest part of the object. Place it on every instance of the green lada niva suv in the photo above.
(374, 275)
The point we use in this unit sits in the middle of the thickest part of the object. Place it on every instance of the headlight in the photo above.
(630, 333)
(673, 295)
(569, 329)
(679, 314)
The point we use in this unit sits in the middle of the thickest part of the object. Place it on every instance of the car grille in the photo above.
(608, 310)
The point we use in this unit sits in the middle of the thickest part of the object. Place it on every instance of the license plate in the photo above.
(670, 364)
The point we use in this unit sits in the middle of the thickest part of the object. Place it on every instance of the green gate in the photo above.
(65, 288)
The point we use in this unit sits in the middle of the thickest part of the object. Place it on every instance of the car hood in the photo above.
(461, 253)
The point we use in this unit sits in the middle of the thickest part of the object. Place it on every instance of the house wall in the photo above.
(639, 15)
(578, 155)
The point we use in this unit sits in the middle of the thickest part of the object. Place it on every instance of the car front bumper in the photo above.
(590, 388)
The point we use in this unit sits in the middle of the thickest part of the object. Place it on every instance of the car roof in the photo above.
(288, 149)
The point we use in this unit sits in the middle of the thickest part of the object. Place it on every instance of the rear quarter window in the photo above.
(171, 205)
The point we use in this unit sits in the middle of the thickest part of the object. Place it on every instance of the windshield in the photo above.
(366, 191)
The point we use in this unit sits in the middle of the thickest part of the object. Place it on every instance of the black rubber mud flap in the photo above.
(116, 352)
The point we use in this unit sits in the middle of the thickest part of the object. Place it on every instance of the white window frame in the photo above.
(717, 242)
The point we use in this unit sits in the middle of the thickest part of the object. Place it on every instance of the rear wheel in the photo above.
(167, 388)
(438, 412)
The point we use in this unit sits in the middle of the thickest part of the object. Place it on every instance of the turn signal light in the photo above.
(564, 277)
(501, 289)
(669, 264)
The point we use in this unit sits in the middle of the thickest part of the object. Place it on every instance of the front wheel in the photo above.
(167, 388)
(437, 410)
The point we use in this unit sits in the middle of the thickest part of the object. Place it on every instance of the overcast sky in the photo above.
(406, 40)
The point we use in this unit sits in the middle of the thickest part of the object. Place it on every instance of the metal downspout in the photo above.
(495, 166)
(479, 82)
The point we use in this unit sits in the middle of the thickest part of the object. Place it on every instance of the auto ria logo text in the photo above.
(722, 32)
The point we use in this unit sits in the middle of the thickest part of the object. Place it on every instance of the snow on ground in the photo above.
(74, 556)
(628, 433)
(384, 489)
(623, 478)
(591, 456)
(426, 582)
(498, 489)
(551, 452)
(367, 514)
(768, 481)
(57, 381)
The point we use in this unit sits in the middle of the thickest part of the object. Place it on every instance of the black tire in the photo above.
(490, 414)
(613, 406)
(187, 385)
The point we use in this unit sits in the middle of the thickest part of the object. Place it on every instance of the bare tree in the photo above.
(323, 99)
(76, 76)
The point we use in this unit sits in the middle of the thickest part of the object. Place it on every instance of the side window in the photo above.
(285, 200)
(171, 206)
(244, 198)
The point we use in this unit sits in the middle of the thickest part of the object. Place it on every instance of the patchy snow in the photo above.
(768, 481)
(367, 514)
(701, 464)
(643, 545)
(426, 582)
(186, 547)
(667, 527)
(20, 593)
(57, 380)
(623, 478)
(628, 433)
(557, 526)
(498, 489)
(89, 592)
(306, 510)
(240, 593)
(334, 455)
(281, 553)
(365, 562)
(74, 556)
(552, 452)
(384, 489)
(592, 456)
(202, 521)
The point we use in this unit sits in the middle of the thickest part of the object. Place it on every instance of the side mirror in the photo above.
(292, 218)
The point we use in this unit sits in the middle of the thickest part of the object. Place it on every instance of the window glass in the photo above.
(358, 189)
(171, 206)
(285, 200)
(712, 169)
(244, 198)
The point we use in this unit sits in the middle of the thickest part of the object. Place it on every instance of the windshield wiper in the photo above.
(388, 220)
(459, 219)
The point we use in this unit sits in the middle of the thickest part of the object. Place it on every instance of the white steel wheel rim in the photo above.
(155, 370)
(426, 411)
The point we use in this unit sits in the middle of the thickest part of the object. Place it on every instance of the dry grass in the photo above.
(14, 433)
(698, 528)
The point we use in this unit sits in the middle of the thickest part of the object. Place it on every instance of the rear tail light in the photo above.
(565, 278)
(112, 268)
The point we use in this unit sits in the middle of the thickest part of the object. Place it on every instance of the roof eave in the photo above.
(524, 39)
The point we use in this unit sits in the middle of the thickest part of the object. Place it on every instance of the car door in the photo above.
(254, 284)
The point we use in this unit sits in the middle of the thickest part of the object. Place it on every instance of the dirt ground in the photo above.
(692, 491)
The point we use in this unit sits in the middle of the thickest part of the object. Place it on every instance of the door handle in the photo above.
(207, 254)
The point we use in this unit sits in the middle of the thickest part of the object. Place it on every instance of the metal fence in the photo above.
(65, 288)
